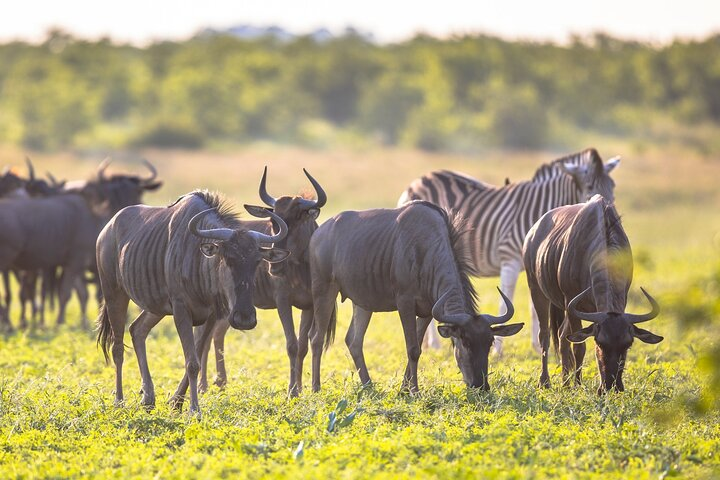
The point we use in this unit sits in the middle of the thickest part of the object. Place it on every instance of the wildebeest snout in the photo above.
(243, 320)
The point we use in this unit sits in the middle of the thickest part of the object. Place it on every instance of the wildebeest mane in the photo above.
(457, 227)
(214, 200)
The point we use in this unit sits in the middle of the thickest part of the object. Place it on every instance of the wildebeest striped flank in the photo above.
(500, 216)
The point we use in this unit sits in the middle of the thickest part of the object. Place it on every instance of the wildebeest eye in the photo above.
(209, 249)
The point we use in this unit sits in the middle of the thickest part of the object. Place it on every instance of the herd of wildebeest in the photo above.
(197, 261)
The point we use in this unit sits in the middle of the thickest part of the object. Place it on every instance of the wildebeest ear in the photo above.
(209, 249)
(581, 335)
(152, 186)
(274, 255)
(506, 330)
(646, 336)
(314, 213)
(447, 330)
(256, 211)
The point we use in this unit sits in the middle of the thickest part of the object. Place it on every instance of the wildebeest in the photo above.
(281, 285)
(579, 266)
(60, 230)
(500, 216)
(10, 183)
(407, 259)
(192, 260)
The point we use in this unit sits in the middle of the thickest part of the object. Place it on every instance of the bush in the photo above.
(170, 135)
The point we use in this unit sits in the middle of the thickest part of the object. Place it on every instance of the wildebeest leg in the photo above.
(324, 296)
(67, 280)
(82, 294)
(284, 309)
(116, 307)
(566, 356)
(509, 271)
(7, 324)
(218, 341)
(139, 330)
(431, 337)
(27, 294)
(306, 321)
(354, 340)
(542, 307)
(579, 353)
(184, 326)
(406, 309)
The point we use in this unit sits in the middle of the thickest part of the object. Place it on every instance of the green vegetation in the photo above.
(57, 419)
(460, 94)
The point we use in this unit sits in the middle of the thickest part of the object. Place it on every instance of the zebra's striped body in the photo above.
(501, 216)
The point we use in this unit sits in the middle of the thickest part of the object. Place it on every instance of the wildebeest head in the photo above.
(594, 177)
(614, 334)
(240, 252)
(472, 337)
(39, 187)
(10, 182)
(123, 190)
(299, 213)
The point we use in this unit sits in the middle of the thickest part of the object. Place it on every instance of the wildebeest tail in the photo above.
(104, 332)
(330, 333)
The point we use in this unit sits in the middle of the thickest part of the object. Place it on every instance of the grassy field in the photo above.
(57, 417)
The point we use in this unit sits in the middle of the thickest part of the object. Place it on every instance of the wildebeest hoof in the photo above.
(220, 382)
(202, 387)
(119, 403)
(148, 401)
(176, 402)
(544, 382)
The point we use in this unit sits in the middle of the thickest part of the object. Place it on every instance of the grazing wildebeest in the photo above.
(407, 259)
(281, 285)
(192, 260)
(573, 251)
(500, 216)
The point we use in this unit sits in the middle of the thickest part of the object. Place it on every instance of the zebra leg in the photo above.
(139, 330)
(509, 272)
(354, 340)
(535, 324)
(431, 337)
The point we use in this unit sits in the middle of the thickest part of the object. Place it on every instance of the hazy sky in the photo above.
(141, 21)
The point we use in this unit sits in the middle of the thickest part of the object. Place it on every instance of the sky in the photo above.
(142, 21)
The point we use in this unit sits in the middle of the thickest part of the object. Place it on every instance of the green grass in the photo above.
(57, 417)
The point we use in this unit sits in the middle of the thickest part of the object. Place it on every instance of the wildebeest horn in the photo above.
(493, 320)
(595, 317)
(264, 195)
(321, 196)
(102, 167)
(648, 316)
(53, 180)
(438, 312)
(262, 237)
(31, 170)
(153, 172)
(222, 234)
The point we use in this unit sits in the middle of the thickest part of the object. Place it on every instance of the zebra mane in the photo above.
(589, 156)
(215, 200)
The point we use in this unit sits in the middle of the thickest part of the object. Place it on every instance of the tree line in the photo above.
(457, 93)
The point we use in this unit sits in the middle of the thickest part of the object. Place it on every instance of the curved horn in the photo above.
(264, 195)
(222, 234)
(493, 320)
(321, 196)
(595, 317)
(31, 170)
(438, 312)
(264, 238)
(102, 167)
(648, 316)
(153, 172)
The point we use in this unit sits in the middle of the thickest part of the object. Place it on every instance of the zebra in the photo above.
(501, 216)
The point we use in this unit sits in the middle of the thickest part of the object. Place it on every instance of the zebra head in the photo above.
(591, 176)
